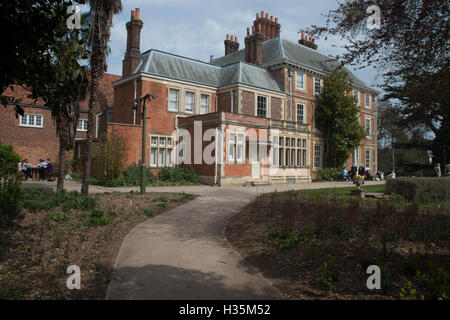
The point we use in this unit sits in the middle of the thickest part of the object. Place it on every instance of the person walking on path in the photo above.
(437, 169)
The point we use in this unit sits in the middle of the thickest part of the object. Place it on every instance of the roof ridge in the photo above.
(179, 56)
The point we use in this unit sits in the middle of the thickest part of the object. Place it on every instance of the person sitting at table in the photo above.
(49, 170)
(42, 169)
(25, 168)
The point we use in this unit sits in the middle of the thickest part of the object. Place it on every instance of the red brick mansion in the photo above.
(245, 117)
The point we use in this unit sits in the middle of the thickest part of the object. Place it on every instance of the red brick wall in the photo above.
(276, 110)
(248, 103)
(30, 143)
(224, 102)
(133, 137)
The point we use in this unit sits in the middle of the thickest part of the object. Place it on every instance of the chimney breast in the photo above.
(133, 53)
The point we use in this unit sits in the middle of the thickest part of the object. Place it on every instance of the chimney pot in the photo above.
(267, 16)
(303, 36)
(262, 14)
(248, 32)
(132, 14)
(257, 16)
(276, 20)
(271, 18)
(235, 39)
(137, 13)
(312, 40)
(228, 36)
(232, 38)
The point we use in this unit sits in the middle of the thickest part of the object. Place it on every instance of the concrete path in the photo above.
(184, 254)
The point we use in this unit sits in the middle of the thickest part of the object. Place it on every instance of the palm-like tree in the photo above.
(101, 13)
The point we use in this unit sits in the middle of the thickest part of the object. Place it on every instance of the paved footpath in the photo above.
(183, 254)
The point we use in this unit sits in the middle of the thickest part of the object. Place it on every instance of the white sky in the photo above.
(197, 28)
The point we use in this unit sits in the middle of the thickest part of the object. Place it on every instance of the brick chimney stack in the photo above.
(133, 53)
(264, 28)
(310, 43)
(232, 45)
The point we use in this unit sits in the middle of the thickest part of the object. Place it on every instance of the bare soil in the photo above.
(314, 248)
(35, 253)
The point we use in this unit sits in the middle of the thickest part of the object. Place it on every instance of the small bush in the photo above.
(58, 216)
(97, 218)
(330, 174)
(8, 161)
(11, 195)
(285, 240)
(424, 190)
(174, 174)
(41, 199)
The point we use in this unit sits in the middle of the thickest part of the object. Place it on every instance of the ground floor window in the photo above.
(236, 152)
(161, 151)
(289, 152)
(317, 156)
(32, 120)
(368, 160)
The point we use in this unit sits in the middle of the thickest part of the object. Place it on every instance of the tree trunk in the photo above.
(87, 155)
(62, 168)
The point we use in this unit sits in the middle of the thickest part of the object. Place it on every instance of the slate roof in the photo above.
(159, 63)
(279, 50)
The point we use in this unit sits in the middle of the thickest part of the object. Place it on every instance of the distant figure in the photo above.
(42, 169)
(49, 170)
(380, 175)
(353, 171)
(344, 174)
(24, 168)
(437, 169)
(392, 175)
(361, 172)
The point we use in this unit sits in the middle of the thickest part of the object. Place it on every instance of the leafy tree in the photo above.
(410, 48)
(101, 12)
(8, 160)
(25, 58)
(337, 119)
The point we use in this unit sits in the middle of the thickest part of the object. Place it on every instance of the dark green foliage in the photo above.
(160, 199)
(146, 212)
(162, 206)
(97, 218)
(11, 195)
(38, 199)
(133, 175)
(330, 174)
(174, 174)
(337, 118)
(425, 190)
(285, 240)
(8, 160)
(58, 216)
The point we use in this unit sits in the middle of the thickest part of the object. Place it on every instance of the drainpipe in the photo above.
(96, 124)
(232, 98)
(177, 138)
(290, 94)
(217, 152)
(135, 97)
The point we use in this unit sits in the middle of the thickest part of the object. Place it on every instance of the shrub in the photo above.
(11, 195)
(329, 174)
(174, 174)
(133, 175)
(58, 216)
(420, 189)
(96, 218)
(8, 161)
(41, 199)
(110, 157)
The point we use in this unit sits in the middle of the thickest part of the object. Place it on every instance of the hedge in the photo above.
(420, 189)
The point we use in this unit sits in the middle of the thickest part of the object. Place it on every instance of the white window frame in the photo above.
(177, 101)
(356, 95)
(320, 156)
(320, 86)
(367, 103)
(84, 125)
(161, 143)
(304, 111)
(368, 132)
(28, 123)
(369, 158)
(208, 103)
(192, 105)
(300, 75)
(267, 105)
(232, 137)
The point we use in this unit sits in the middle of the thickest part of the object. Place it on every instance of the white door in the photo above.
(256, 170)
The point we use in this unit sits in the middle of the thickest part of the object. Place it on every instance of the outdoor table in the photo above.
(34, 173)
